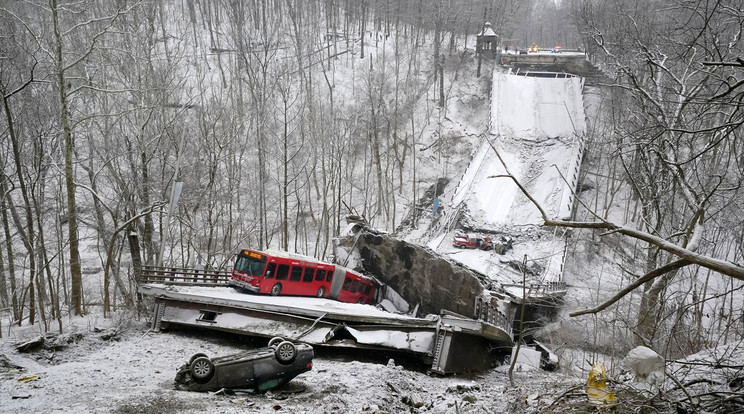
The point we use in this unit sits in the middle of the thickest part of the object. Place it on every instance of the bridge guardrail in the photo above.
(489, 313)
(535, 290)
(184, 276)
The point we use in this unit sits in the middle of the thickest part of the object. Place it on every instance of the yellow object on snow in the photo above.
(596, 387)
(30, 378)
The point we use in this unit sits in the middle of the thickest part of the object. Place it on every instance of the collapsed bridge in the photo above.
(533, 119)
(451, 343)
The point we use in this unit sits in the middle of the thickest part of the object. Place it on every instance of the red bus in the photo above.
(281, 273)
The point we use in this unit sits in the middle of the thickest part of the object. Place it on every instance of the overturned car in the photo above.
(259, 370)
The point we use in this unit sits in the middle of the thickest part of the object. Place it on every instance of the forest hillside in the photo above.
(177, 132)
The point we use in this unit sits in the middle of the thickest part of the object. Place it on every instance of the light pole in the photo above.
(175, 195)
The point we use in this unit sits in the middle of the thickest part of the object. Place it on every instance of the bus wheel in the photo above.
(276, 290)
(321, 292)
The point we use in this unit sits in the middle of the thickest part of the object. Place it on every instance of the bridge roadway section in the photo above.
(537, 125)
(450, 343)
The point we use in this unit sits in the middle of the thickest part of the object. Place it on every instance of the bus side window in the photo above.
(347, 283)
(329, 275)
(354, 286)
(320, 275)
(296, 274)
(367, 289)
(283, 271)
(308, 276)
(270, 270)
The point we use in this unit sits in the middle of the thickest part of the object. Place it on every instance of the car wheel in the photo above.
(202, 369)
(193, 357)
(321, 292)
(276, 290)
(462, 246)
(285, 353)
(275, 341)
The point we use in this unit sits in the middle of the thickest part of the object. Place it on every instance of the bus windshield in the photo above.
(250, 265)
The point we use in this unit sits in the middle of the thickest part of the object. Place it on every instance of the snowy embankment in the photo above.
(132, 371)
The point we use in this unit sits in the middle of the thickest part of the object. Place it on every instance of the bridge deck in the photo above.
(437, 339)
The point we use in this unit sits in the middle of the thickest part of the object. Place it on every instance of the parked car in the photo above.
(472, 241)
(260, 369)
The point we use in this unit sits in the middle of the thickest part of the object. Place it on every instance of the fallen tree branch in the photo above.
(686, 256)
(643, 279)
(721, 266)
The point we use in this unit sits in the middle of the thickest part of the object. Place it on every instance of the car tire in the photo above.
(321, 292)
(193, 357)
(285, 353)
(276, 290)
(273, 342)
(201, 369)
(462, 246)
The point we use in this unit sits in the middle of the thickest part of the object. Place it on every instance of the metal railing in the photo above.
(488, 313)
(535, 290)
(183, 276)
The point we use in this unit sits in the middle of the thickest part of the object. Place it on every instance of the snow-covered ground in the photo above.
(117, 365)
(133, 372)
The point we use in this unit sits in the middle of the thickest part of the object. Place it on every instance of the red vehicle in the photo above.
(281, 273)
(471, 241)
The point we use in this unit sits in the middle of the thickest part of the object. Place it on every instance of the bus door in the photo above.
(339, 274)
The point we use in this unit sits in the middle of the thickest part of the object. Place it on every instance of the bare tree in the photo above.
(26, 229)
(65, 62)
(678, 147)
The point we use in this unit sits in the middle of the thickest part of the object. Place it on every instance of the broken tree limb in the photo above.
(720, 266)
(686, 255)
(31, 345)
(645, 278)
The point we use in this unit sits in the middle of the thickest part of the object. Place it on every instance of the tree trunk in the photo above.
(149, 226)
(76, 277)
(3, 284)
(285, 179)
(134, 251)
(100, 221)
(27, 235)
(17, 310)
